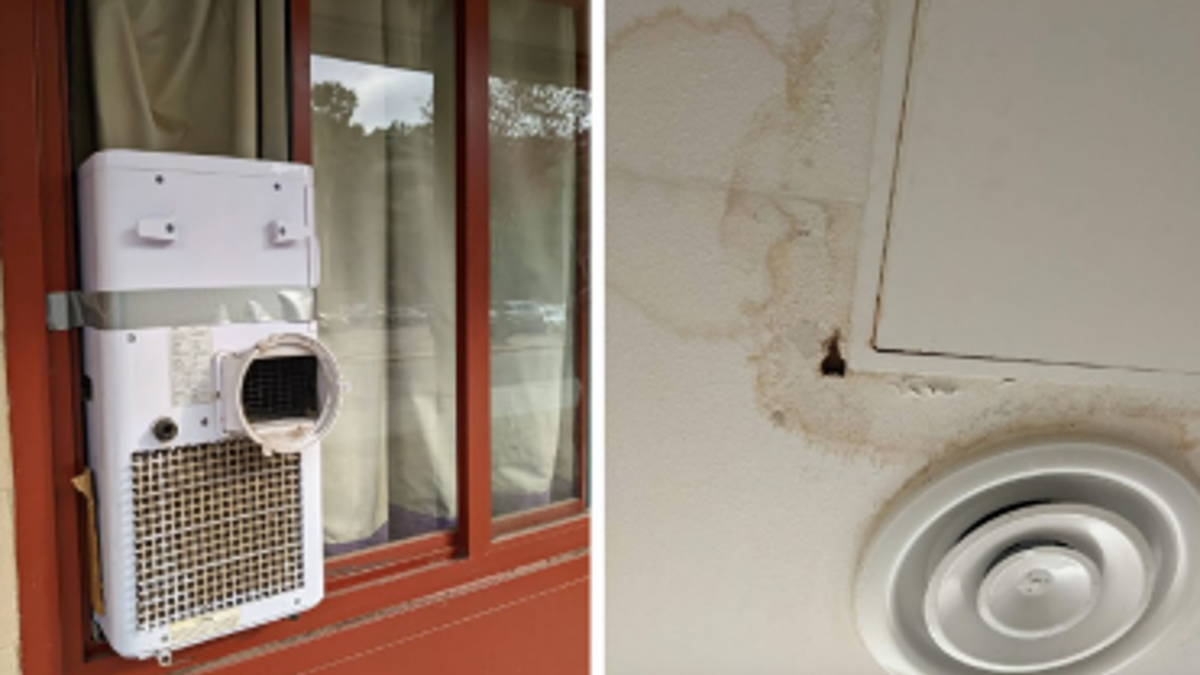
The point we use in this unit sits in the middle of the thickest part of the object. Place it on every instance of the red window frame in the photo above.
(363, 589)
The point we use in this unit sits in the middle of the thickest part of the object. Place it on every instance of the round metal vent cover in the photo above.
(1069, 557)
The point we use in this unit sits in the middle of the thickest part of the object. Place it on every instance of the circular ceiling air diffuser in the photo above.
(1064, 557)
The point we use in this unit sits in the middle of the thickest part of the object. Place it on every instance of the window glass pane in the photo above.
(383, 156)
(538, 125)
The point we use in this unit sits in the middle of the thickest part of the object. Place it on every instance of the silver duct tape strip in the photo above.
(129, 310)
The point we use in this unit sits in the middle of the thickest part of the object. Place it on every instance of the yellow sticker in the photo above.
(201, 627)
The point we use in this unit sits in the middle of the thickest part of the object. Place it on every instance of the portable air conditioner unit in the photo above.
(207, 394)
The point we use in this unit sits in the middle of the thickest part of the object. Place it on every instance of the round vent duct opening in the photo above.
(1065, 557)
(284, 393)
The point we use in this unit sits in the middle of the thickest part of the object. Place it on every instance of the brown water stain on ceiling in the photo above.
(753, 238)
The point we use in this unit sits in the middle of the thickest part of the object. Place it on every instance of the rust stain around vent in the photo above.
(216, 526)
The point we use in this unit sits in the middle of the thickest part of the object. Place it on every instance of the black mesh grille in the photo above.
(281, 388)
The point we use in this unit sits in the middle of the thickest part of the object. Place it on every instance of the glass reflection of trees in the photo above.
(540, 127)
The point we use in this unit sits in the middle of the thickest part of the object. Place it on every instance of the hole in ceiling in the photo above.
(833, 365)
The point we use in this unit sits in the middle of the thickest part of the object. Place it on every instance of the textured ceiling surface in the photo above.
(742, 482)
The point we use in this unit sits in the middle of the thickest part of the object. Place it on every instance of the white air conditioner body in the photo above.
(190, 265)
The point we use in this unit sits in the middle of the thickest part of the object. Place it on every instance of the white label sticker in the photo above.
(191, 366)
(201, 627)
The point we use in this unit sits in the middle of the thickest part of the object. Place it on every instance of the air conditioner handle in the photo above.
(284, 233)
(158, 230)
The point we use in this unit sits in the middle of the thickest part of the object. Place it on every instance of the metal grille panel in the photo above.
(283, 387)
(216, 526)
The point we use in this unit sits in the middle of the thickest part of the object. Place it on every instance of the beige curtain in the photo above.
(385, 215)
(385, 207)
(180, 76)
(537, 114)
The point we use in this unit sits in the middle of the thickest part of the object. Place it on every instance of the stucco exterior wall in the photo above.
(742, 484)
(9, 639)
